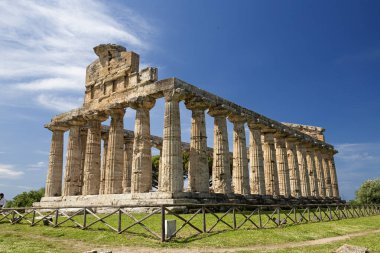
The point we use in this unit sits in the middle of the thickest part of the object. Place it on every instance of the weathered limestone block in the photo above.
(54, 176)
(128, 158)
(270, 164)
(294, 173)
(312, 171)
(221, 173)
(256, 159)
(142, 154)
(320, 174)
(72, 180)
(198, 172)
(91, 173)
(334, 178)
(326, 172)
(171, 168)
(302, 165)
(240, 176)
(115, 154)
(282, 165)
(104, 163)
(346, 248)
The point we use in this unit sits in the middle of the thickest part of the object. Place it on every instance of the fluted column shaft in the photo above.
(334, 178)
(221, 173)
(294, 173)
(240, 176)
(127, 170)
(142, 149)
(104, 164)
(171, 170)
(83, 146)
(304, 174)
(326, 171)
(54, 177)
(320, 174)
(256, 161)
(270, 165)
(312, 172)
(91, 175)
(115, 154)
(282, 166)
(198, 172)
(72, 181)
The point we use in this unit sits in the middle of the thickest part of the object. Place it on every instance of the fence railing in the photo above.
(190, 220)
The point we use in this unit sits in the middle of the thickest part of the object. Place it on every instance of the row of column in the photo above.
(279, 165)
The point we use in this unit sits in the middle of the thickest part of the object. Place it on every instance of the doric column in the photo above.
(91, 172)
(54, 177)
(142, 149)
(270, 164)
(256, 160)
(198, 172)
(282, 165)
(128, 158)
(171, 168)
(320, 175)
(240, 176)
(115, 154)
(294, 173)
(221, 173)
(333, 174)
(304, 174)
(83, 145)
(104, 162)
(312, 171)
(72, 181)
(326, 172)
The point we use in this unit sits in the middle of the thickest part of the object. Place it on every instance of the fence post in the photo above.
(84, 218)
(234, 217)
(163, 224)
(33, 218)
(119, 221)
(56, 217)
(260, 221)
(204, 219)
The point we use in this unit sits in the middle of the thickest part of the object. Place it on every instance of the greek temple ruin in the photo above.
(109, 165)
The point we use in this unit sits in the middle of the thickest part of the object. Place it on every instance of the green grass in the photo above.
(24, 238)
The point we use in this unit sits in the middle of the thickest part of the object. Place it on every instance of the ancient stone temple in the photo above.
(109, 165)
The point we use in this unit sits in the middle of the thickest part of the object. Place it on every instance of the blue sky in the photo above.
(307, 62)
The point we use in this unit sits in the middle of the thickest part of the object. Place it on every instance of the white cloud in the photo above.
(59, 103)
(9, 172)
(37, 166)
(46, 45)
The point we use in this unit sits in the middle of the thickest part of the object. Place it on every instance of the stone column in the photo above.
(302, 165)
(270, 164)
(115, 161)
(256, 160)
(282, 165)
(83, 145)
(104, 163)
(320, 174)
(171, 168)
(91, 174)
(326, 172)
(142, 148)
(198, 173)
(221, 173)
(53, 186)
(72, 180)
(312, 171)
(128, 158)
(240, 176)
(294, 173)
(334, 178)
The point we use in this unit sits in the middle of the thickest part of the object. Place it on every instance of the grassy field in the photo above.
(24, 238)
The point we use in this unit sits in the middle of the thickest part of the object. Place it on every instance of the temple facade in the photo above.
(108, 165)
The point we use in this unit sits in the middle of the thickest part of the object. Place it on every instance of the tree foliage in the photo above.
(369, 192)
(26, 199)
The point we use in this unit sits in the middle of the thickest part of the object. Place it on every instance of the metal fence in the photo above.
(190, 220)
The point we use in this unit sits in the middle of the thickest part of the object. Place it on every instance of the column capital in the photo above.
(96, 115)
(116, 112)
(236, 118)
(174, 94)
(61, 127)
(255, 126)
(196, 103)
(146, 102)
(218, 110)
